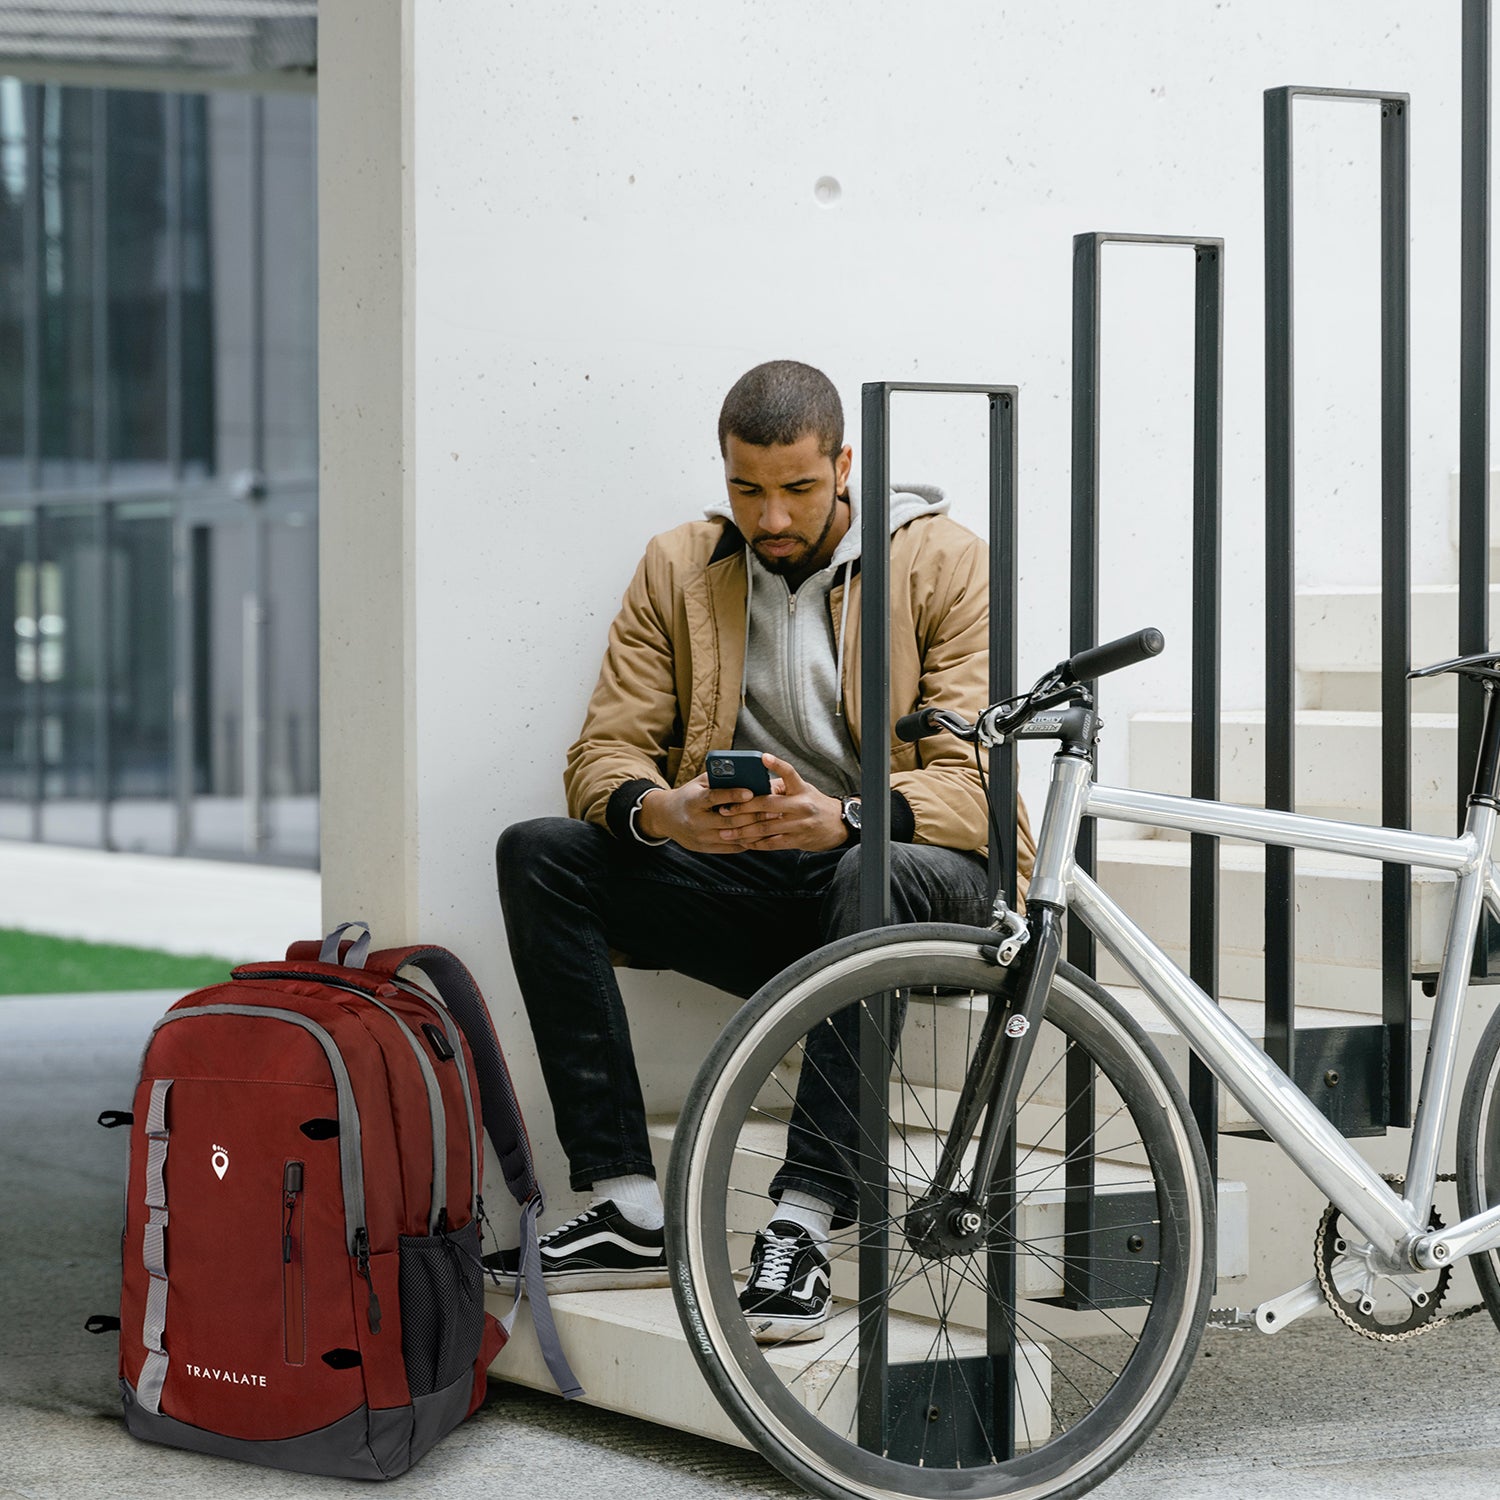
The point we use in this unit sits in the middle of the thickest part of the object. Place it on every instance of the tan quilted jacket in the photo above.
(669, 689)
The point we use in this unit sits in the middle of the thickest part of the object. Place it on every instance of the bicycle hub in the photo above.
(944, 1225)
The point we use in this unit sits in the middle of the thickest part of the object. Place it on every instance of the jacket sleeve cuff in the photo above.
(622, 802)
(903, 819)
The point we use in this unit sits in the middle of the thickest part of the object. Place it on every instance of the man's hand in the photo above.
(731, 820)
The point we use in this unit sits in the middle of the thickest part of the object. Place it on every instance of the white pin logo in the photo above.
(1016, 1026)
(220, 1162)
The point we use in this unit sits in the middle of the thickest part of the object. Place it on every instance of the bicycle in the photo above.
(1030, 1274)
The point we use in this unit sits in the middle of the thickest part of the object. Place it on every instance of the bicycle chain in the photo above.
(1331, 1296)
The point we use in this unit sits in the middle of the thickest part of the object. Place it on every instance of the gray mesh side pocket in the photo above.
(442, 1307)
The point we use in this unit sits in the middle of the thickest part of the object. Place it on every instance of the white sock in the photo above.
(637, 1197)
(815, 1215)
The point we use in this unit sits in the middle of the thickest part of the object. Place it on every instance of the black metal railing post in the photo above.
(1474, 385)
(875, 910)
(1208, 425)
(1395, 522)
(875, 884)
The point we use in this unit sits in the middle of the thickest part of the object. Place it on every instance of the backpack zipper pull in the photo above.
(362, 1265)
(291, 1185)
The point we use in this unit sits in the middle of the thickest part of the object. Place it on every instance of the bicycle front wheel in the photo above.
(1026, 1360)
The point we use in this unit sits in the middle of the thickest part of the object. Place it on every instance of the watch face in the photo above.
(851, 812)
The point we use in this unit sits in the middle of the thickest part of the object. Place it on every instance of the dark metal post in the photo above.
(1474, 385)
(1203, 876)
(875, 907)
(875, 661)
(1395, 593)
(1004, 624)
(1000, 1271)
(1208, 366)
(1281, 703)
(875, 878)
(1084, 608)
(1395, 629)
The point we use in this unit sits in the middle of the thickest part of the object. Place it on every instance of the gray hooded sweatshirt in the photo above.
(791, 702)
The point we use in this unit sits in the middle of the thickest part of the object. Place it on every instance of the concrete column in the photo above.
(366, 504)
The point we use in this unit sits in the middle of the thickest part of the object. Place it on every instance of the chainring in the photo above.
(1328, 1250)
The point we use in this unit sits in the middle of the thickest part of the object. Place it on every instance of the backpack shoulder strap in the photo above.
(502, 1120)
(497, 1095)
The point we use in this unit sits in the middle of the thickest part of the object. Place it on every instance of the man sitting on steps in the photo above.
(735, 631)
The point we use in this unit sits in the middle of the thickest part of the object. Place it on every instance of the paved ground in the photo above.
(1310, 1413)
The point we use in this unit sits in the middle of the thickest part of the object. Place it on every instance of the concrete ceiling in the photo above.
(162, 44)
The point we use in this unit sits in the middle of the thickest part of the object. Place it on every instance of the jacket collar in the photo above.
(730, 544)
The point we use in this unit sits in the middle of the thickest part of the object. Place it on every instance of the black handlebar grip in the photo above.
(914, 727)
(1113, 655)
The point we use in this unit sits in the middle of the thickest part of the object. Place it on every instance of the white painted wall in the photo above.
(609, 214)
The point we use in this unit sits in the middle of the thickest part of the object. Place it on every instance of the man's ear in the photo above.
(842, 464)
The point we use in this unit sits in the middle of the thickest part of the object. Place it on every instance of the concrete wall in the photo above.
(552, 236)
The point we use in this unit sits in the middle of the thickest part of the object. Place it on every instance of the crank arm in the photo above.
(1273, 1316)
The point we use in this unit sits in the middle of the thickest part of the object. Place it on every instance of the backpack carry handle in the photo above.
(351, 954)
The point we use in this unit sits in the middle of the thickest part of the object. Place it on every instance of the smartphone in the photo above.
(739, 768)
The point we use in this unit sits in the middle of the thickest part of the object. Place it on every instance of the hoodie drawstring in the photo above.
(838, 670)
(749, 590)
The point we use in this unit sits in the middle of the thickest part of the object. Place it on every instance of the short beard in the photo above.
(781, 566)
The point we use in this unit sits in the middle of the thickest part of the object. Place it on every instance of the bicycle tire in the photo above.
(1109, 1371)
(1479, 1154)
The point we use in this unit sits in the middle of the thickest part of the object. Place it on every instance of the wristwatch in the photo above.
(849, 812)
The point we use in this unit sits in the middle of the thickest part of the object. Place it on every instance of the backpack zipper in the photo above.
(293, 1264)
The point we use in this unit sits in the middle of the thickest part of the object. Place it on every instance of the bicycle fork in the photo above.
(948, 1221)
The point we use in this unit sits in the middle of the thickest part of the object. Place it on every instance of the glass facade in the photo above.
(158, 471)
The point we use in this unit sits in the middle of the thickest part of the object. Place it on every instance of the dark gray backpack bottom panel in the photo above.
(435, 1416)
(364, 1445)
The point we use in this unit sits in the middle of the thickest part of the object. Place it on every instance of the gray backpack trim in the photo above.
(439, 1118)
(154, 1248)
(351, 1170)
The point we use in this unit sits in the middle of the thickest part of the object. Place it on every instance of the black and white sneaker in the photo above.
(599, 1250)
(786, 1300)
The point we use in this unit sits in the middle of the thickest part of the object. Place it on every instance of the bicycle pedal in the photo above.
(1230, 1317)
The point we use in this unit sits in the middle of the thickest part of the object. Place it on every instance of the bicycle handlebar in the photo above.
(917, 726)
(1054, 687)
(1112, 656)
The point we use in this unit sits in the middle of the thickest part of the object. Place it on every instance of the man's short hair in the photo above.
(779, 402)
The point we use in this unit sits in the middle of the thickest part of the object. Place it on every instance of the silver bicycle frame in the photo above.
(1396, 1226)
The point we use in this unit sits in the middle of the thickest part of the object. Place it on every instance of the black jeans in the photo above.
(571, 891)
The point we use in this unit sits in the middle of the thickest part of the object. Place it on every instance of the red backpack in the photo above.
(302, 1277)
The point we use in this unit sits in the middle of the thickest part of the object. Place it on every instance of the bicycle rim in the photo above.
(1103, 1232)
(1479, 1154)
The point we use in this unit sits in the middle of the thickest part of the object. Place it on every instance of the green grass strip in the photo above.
(34, 964)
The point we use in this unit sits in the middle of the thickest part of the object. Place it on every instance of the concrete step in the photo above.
(1338, 759)
(1338, 629)
(612, 1338)
(763, 1142)
(1338, 904)
(1338, 645)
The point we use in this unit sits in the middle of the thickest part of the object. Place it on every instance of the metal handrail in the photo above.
(1208, 424)
(1395, 512)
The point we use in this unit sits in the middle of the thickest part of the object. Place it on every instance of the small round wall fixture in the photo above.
(828, 191)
